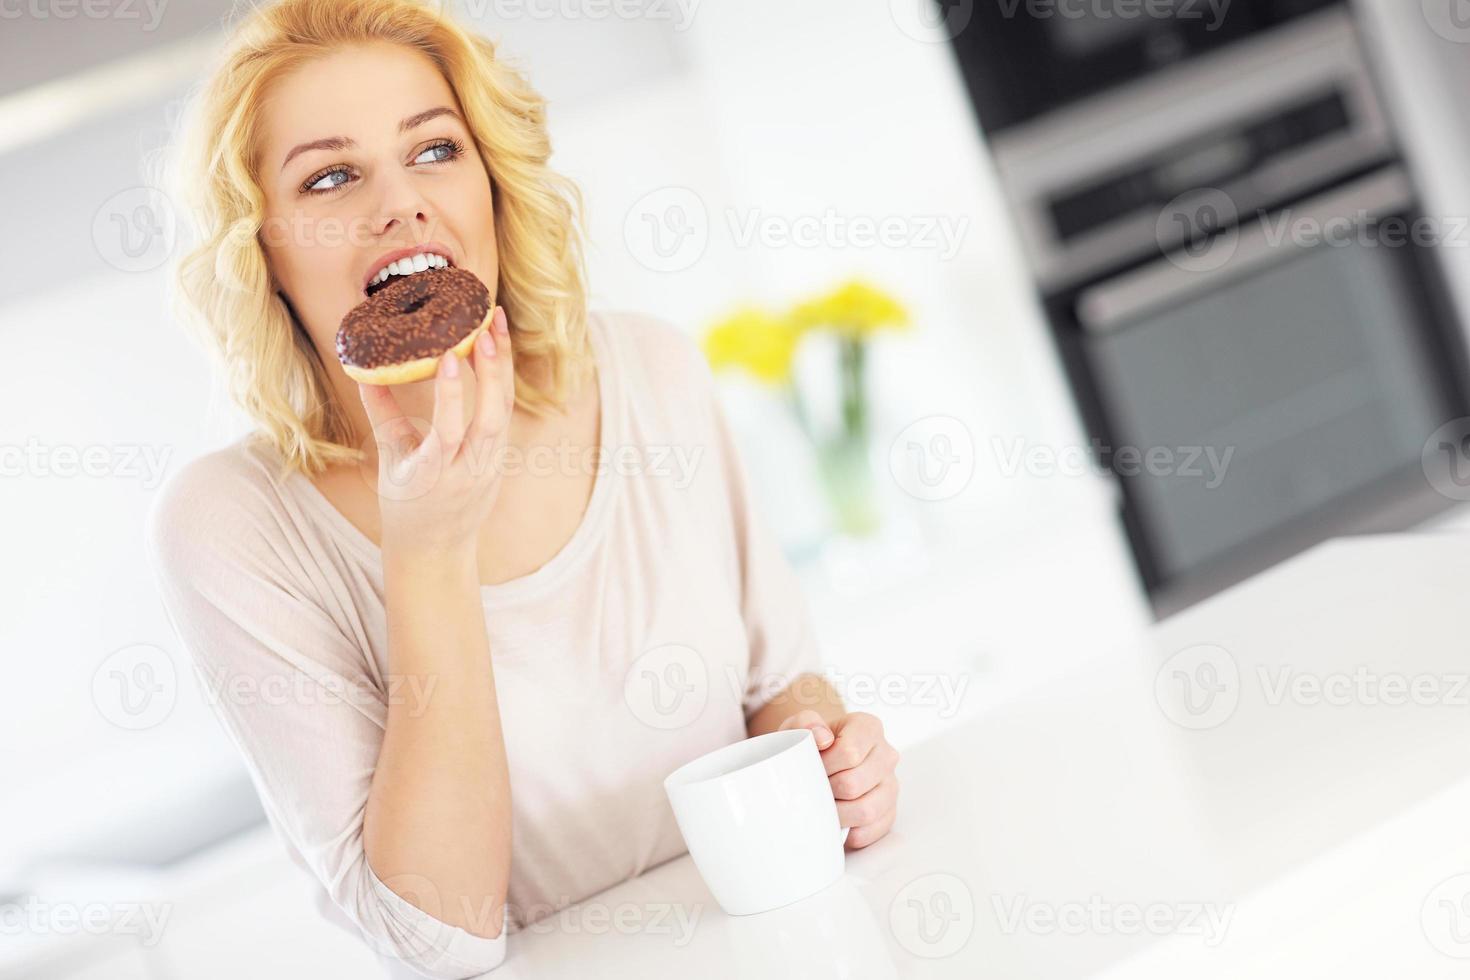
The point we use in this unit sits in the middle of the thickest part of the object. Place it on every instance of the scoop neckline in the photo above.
(603, 488)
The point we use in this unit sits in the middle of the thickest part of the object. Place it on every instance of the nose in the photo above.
(401, 207)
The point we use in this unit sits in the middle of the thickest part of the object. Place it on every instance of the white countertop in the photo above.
(1097, 824)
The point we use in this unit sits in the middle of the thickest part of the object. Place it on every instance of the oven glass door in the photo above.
(1269, 398)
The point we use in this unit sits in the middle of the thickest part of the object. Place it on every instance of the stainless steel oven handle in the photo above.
(1115, 304)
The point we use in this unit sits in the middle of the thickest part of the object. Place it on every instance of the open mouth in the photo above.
(403, 268)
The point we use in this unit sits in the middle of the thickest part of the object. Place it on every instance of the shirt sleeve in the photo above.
(778, 621)
(300, 702)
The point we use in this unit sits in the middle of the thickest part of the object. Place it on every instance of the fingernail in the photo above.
(485, 344)
(500, 323)
(822, 734)
(450, 367)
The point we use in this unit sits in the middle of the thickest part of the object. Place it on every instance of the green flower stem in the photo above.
(854, 398)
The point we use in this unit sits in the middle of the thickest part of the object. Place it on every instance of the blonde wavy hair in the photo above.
(223, 289)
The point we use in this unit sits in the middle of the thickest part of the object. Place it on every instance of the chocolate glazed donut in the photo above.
(398, 334)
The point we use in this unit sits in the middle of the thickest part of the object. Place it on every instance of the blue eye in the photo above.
(450, 148)
(325, 182)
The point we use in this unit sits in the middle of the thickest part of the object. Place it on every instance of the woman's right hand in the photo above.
(436, 488)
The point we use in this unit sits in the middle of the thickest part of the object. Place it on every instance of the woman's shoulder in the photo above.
(216, 499)
(657, 343)
(661, 361)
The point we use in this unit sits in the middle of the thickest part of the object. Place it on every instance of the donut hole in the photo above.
(416, 304)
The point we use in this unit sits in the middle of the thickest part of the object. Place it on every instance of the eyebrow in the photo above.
(343, 142)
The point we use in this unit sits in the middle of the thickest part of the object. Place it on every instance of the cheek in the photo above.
(314, 274)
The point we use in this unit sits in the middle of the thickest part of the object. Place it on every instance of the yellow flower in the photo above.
(856, 309)
(754, 340)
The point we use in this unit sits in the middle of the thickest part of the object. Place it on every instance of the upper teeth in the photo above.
(408, 266)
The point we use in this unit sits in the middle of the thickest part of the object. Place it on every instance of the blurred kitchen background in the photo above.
(1127, 375)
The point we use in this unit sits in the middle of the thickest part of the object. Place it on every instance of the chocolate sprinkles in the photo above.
(422, 315)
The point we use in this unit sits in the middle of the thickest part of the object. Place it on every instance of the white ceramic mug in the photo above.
(759, 820)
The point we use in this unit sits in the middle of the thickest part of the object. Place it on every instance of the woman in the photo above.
(460, 629)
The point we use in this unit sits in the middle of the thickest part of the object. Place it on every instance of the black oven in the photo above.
(1240, 279)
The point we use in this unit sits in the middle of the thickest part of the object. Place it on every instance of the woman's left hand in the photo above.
(861, 768)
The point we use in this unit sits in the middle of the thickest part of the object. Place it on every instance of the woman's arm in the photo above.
(437, 828)
(806, 693)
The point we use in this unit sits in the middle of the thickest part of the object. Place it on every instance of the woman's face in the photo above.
(363, 155)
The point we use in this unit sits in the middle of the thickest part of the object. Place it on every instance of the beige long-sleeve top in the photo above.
(667, 619)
